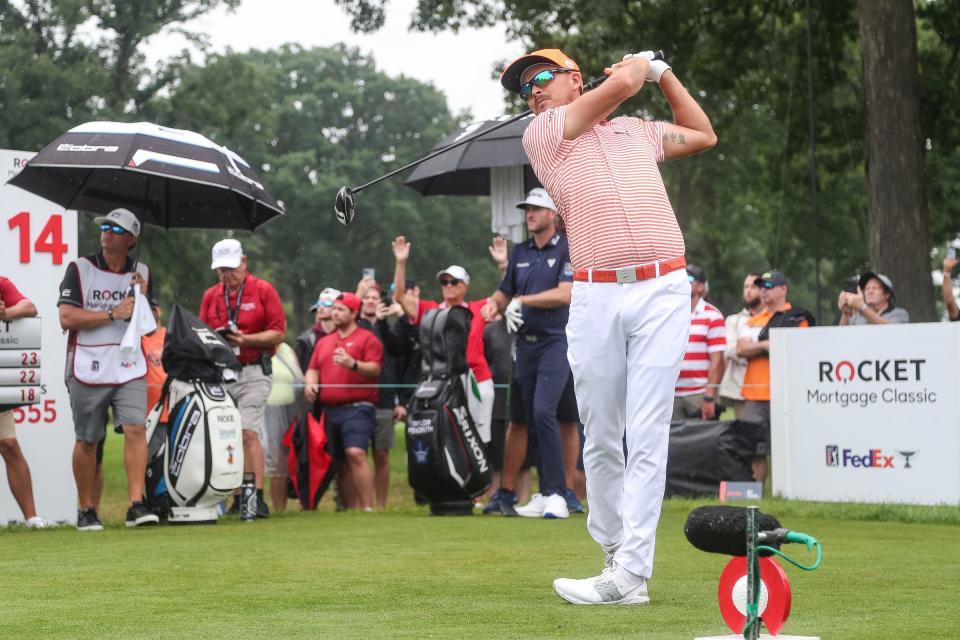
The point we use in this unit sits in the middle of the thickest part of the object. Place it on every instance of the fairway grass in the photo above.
(887, 573)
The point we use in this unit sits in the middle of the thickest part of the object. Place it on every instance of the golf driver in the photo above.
(345, 205)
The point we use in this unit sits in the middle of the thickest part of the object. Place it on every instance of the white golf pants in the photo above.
(626, 343)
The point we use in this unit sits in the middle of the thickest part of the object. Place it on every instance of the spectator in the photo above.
(248, 312)
(13, 306)
(534, 295)
(695, 395)
(152, 344)
(93, 305)
(373, 317)
(342, 378)
(736, 366)
(755, 347)
(455, 282)
(873, 304)
(285, 406)
(322, 325)
(953, 311)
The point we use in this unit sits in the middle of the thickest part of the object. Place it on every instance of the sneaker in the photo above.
(36, 522)
(140, 515)
(573, 502)
(533, 509)
(614, 585)
(497, 500)
(555, 507)
(263, 511)
(87, 520)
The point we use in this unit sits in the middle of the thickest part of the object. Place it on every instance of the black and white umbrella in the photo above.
(465, 171)
(170, 178)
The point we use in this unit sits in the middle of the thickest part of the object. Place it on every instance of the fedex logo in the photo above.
(871, 459)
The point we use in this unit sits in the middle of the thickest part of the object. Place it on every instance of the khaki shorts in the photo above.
(384, 435)
(7, 427)
(250, 393)
(89, 405)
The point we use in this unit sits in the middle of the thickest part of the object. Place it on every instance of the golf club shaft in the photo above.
(593, 84)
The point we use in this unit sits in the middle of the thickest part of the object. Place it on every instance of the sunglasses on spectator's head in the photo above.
(115, 228)
(539, 80)
(449, 282)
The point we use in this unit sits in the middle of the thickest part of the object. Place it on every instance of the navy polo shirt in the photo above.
(532, 270)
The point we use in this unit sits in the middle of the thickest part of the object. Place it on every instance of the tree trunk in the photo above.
(899, 237)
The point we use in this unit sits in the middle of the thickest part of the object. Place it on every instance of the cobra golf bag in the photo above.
(446, 460)
(195, 458)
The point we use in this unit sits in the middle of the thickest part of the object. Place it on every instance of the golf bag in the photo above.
(446, 460)
(703, 453)
(310, 465)
(196, 458)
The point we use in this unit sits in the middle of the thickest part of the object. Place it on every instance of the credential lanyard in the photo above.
(233, 313)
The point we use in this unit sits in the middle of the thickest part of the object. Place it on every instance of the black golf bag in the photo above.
(195, 458)
(446, 460)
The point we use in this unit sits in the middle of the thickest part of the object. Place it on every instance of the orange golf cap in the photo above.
(510, 78)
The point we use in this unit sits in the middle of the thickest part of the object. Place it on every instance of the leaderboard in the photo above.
(20, 359)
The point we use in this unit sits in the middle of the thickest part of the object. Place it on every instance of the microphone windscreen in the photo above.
(723, 529)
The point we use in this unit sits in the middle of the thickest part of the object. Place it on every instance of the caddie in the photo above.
(630, 304)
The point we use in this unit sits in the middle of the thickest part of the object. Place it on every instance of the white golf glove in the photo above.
(513, 315)
(657, 67)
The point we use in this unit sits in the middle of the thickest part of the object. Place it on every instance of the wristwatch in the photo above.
(709, 399)
(863, 307)
(110, 313)
(356, 364)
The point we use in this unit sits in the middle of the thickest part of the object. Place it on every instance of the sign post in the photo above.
(39, 240)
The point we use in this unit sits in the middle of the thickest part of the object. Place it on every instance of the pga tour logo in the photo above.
(870, 459)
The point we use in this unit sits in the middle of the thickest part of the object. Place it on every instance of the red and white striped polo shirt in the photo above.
(708, 334)
(608, 188)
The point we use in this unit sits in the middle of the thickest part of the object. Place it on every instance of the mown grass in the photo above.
(888, 572)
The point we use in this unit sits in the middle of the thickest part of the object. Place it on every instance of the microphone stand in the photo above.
(752, 629)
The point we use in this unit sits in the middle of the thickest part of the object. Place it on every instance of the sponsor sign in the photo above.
(39, 240)
(867, 414)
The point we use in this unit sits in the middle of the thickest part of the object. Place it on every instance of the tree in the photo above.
(899, 242)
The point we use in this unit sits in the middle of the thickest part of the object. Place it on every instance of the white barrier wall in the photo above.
(867, 414)
(38, 241)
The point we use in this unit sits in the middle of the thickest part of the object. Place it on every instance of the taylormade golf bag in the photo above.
(446, 460)
(196, 458)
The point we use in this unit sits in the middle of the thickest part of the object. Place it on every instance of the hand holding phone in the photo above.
(952, 253)
(369, 272)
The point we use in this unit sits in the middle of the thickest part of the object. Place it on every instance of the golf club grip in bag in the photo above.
(446, 460)
(201, 455)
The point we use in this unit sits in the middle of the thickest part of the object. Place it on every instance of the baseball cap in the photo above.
(122, 218)
(350, 301)
(227, 254)
(884, 280)
(510, 78)
(771, 279)
(326, 298)
(696, 273)
(455, 271)
(538, 198)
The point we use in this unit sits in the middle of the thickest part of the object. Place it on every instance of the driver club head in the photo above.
(345, 207)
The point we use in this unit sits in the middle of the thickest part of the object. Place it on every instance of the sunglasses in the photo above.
(115, 228)
(766, 284)
(450, 282)
(539, 80)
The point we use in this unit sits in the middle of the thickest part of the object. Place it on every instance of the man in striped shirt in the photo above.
(630, 306)
(696, 392)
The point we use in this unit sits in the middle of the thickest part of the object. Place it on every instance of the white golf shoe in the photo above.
(614, 585)
(551, 507)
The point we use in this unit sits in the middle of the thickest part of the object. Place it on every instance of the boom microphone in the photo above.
(723, 529)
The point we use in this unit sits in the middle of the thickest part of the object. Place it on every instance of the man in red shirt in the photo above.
(14, 305)
(342, 376)
(455, 282)
(247, 312)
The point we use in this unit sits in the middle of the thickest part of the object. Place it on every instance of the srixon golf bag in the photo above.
(446, 460)
(195, 459)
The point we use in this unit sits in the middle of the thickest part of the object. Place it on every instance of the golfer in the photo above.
(630, 306)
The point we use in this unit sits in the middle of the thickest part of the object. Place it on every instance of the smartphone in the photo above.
(369, 272)
(952, 253)
(851, 285)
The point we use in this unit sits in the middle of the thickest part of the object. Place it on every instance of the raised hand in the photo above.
(401, 249)
(498, 251)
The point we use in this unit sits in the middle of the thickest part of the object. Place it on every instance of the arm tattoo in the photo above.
(676, 138)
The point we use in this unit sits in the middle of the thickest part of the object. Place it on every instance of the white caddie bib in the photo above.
(97, 359)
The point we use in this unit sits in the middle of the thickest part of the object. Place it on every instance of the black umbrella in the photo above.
(170, 178)
(465, 170)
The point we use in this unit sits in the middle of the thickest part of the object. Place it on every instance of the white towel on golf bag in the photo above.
(142, 322)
